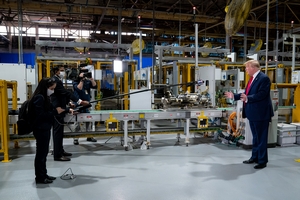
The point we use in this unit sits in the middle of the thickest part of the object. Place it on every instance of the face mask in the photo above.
(61, 74)
(49, 92)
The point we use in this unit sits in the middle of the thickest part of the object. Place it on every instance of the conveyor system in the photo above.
(132, 115)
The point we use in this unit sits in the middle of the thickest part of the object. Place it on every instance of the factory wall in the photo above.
(146, 61)
(28, 58)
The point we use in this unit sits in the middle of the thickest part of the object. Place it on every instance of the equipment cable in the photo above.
(69, 176)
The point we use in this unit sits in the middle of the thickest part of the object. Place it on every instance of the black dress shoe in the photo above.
(250, 161)
(50, 178)
(62, 159)
(45, 181)
(66, 154)
(76, 142)
(260, 166)
(91, 139)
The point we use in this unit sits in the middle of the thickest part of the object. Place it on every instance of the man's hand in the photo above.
(244, 97)
(59, 110)
(72, 105)
(229, 95)
(71, 111)
(84, 103)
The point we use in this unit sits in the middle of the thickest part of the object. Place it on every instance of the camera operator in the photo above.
(82, 89)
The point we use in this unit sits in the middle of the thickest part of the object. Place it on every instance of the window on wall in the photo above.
(44, 32)
(3, 30)
(48, 32)
(57, 33)
(30, 32)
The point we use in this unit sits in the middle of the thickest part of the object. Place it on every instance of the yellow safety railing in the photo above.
(4, 120)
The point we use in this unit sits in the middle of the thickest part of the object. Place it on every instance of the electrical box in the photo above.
(218, 74)
(98, 74)
(295, 77)
(140, 75)
(223, 76)
(242, 76)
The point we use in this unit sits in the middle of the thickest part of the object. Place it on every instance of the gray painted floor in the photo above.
(206, 170)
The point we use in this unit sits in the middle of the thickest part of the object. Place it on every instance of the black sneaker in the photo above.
(76, 142)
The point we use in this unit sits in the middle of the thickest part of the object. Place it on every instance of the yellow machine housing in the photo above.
(202, 120)
(112, 124)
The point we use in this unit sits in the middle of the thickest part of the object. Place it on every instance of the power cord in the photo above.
(66, 176)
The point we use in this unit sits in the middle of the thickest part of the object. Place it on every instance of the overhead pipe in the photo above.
(152, 39)
(20, 25)
(119, 26)
(267, 36)
(196, 45)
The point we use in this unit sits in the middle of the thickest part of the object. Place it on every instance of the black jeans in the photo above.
(42, 148)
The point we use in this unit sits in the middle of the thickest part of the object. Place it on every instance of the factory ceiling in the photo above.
(167, 19)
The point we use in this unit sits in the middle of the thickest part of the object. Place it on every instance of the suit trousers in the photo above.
(42, 148)
(260, 140)
(58, 135)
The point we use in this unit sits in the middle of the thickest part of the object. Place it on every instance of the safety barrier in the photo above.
(4, 121)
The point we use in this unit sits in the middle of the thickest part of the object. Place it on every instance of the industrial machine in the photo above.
(186, 100)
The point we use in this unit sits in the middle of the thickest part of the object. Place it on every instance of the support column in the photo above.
(9, 35)
(126, 135)
(126, 102)
(188, 77)
(40, 71)
(184, 76)
(148, 134)
(48, 68)
(20, 26)
(187, 131)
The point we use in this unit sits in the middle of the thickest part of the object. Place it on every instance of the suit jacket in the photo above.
(61, 96)
(259, 105)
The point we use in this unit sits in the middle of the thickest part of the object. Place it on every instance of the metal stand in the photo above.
(187, 131)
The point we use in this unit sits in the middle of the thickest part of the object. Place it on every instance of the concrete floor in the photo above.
(206, 170)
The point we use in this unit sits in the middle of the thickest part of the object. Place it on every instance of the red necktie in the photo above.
(249, 84)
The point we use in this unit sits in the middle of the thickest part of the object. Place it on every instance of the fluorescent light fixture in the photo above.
(118, 66)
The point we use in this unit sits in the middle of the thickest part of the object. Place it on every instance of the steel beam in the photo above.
(82, 44)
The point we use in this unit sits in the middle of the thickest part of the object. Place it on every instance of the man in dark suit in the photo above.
(60, 99)
(258, 110)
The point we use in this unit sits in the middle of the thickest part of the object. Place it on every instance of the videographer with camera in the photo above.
(82, 89)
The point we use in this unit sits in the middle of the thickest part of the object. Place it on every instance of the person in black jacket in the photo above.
(41, 114)
(60, 99)
(82, 89)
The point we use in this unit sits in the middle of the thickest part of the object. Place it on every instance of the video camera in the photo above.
(86, 73)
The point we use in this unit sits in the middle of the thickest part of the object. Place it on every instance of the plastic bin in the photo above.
(286, 134)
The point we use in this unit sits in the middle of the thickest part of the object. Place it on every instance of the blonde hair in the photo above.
(253, 63)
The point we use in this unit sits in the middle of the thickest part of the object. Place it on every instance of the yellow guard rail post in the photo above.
(4, 125)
